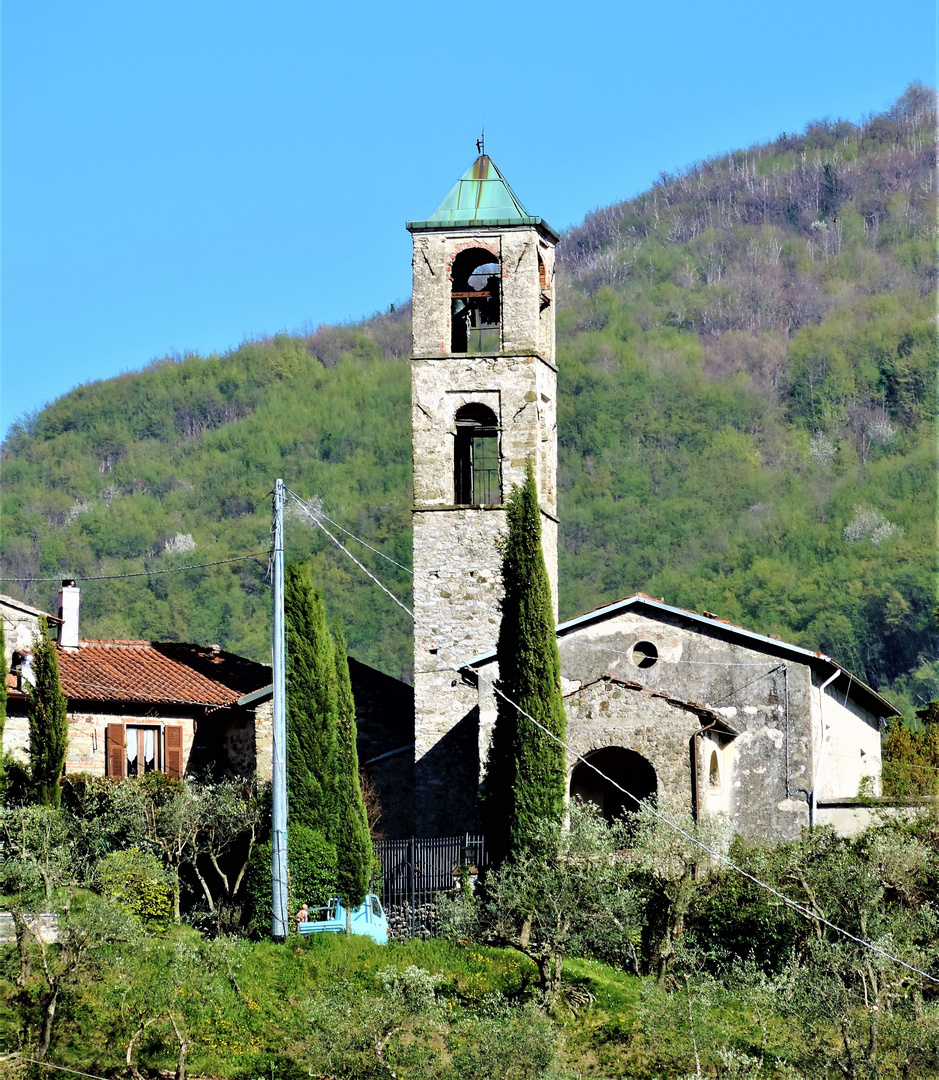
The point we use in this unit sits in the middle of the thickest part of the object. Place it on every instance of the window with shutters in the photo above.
(476, 457)
(138, 749)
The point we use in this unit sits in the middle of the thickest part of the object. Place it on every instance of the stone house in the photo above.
(661, 700)
(143, 706)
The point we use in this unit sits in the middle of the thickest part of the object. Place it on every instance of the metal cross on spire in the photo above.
(481, 143)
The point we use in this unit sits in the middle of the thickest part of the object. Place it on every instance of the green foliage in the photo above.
(804, 1001)
(51, 975)
(312, 705)
(526, 770)
(36, 853)
(203, 833)
(911, 759)
(561, 891)
(322, 764)
(135, 881)
(165, 814)
(353, 843)
(312, 873)
(48, 720)
(94, 821)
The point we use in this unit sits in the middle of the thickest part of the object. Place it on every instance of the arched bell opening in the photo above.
(476, 457)
(476, 302)
(627, 768)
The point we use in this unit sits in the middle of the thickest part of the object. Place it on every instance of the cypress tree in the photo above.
(48, 720)
(526, 772)
(311, 704)
(353, 842)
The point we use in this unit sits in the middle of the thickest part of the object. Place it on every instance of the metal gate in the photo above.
(413, 872)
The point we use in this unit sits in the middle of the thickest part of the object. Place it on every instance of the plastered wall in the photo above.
(847, 746)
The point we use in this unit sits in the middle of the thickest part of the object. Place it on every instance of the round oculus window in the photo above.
(645, 654)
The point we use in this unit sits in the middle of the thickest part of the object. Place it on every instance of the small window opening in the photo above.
(476, 304)
(645, 654)
(476, 457)
(542, 273)
(714, 772)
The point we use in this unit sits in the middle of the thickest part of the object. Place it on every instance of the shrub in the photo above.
(135, 881)
(311, 868)
(911, 761)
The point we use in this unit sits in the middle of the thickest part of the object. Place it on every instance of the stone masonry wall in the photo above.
(522, 393)
(20, 627)
(767, 698)
(86, 736)
(457, 590)
(457, 586)
(264, 739)
(524, 327)
(608, 714)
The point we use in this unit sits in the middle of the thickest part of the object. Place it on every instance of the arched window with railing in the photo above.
(476, 302)
(476, 457)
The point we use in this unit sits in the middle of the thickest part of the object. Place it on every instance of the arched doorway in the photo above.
(629, 769)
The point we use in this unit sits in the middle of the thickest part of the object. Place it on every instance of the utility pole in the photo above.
(279, 822)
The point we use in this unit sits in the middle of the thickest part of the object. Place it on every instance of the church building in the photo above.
(664, 701)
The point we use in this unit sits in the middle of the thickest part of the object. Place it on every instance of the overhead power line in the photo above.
(801, 909)
(142, 573)
(669, 660)
(316, 513)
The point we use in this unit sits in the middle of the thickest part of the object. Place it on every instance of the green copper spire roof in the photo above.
(481, 197)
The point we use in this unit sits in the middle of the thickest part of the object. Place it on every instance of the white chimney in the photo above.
(69, 602)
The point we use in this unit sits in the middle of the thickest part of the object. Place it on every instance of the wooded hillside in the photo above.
(747, 358)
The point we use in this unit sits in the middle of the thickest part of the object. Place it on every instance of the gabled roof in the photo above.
(167, 673)
(481, 197)
(816, 660)
(9, 601)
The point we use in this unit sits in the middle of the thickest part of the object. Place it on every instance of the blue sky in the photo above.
(182, 176)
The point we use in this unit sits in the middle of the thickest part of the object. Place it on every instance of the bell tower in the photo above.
(483, 401)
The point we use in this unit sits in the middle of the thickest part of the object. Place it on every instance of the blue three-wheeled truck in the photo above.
(368, 918)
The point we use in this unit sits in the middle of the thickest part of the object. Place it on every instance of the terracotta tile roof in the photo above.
(158, 671)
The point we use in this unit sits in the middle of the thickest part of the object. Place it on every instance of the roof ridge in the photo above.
(95, 642)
